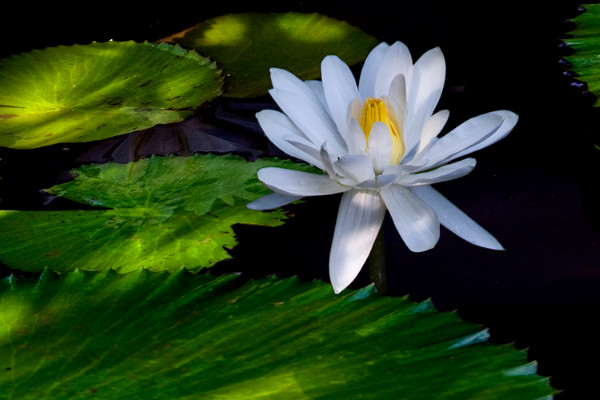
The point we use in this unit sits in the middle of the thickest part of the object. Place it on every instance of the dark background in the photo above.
(535, 190)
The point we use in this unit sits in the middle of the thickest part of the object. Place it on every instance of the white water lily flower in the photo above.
(378, 145)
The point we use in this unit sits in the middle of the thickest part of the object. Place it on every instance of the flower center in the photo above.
(375, 110)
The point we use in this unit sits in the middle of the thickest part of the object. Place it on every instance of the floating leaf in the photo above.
(246, 45)
(585, 41)
(182, 336)
(161, 213)
(89, 92)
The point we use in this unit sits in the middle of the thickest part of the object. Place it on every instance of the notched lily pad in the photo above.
(89, 92)
(585, 40)
(160, 213)
(181, 336)
(246, 45)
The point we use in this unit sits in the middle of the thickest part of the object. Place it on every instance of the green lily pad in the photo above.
(160, 213)
(246, 45)
(183, 336)
(585, 40)
(89, 92)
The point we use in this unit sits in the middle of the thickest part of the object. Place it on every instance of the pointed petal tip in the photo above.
(276, 74)
(434, 56)
(331, 58)
(490, 244)
(275, 70)
(398, 45)
(252, 206)
(509, 118)
(331, 62)
(271, 201)
(342, 277)
(496, 246)
(261, 172)
(262, 114)
(258, 205)
(420, 247)
(339, 285)
(508, 113)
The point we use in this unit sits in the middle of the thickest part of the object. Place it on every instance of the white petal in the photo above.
(317, 88)
(272, 200)
(286, 81)
(378, 182)
(359, 219)
(340, 89)
(280, 131)
(355, 110)
(397, 98)
(276, 125)
(433, 127)
(455, 220)
(368, 74)
(325, 163)
(397, 90)
(308, 91)
(509, 120)
(306, 149)
(355, 138)
(416, 222)
(326, 160)
(298, 183)
(441, 174)
(357, 167)
(396, 60)
(429, 74)
(379, 146)
(309, 115)
(459, 141)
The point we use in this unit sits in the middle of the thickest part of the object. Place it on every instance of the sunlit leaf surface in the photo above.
(585, 40)
(88, 92)
(246, 45)
(182, 336)
(159, 213)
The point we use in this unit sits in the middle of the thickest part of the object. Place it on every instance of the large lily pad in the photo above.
(89, 92)
(150, 335)
(160, 213)
(585, 40)
(246, 45)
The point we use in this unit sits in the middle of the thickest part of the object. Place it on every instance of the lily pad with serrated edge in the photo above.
(182, 336)
(246, 45)
(159, 213)
(89, 92)
(585, 40)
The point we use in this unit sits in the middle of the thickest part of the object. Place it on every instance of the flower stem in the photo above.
(377, 263)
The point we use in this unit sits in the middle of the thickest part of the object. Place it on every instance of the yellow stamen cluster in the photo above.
(374, 110)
